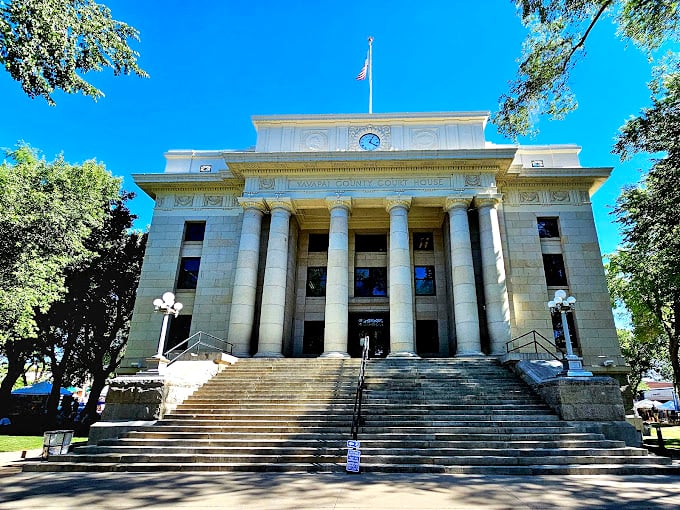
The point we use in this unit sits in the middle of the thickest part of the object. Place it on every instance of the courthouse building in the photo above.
(409, 228)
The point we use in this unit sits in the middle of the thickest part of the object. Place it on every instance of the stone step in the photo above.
(601, 469)
(405, 423)
(373, 418)
(367, 453)
(392, 445)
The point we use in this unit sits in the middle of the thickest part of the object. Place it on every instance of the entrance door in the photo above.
(376, 326)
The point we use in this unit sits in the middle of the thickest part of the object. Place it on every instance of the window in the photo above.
(547, 228)
(370, 242)
(188, 272)
(370, 281)
(423, 241)
(318, 242)
(316, 281)
(424, 280)
(555, 273)
(194, 231)
(312, 340)
(180, 327)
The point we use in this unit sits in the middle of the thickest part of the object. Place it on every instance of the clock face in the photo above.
(369, 142)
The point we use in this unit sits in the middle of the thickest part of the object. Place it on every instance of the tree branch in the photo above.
(585, 36)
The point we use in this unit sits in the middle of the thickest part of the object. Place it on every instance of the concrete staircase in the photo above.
(438, 416)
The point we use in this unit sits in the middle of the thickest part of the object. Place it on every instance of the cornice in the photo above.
(362, 118)
(152, 184)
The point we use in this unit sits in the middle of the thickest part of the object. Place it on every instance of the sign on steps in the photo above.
(353, 456)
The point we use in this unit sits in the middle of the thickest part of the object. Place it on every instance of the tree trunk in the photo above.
(89, 414)
(15, 367)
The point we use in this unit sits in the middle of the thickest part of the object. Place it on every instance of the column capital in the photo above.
(457, 202)
(252, 203)
(397, 201)
(333, 202)
(490, 200)
(281, 203)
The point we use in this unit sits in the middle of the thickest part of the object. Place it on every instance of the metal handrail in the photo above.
(226, 347)
(536, 343)
(356, 414)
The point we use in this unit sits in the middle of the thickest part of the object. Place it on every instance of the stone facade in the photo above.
(442, 224)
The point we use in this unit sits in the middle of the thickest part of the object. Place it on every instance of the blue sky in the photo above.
(213, 64)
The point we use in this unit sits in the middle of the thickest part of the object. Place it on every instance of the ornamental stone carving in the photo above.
(266, 183)
(212, 201)
(315, 140)
(338, 201)
(529, 197)
(487, 201)
(184, 200)
(252, 203)
(392, 202)
(559, 196)
(473, 180)
(281, 203)
(425, 139)
(461, 202)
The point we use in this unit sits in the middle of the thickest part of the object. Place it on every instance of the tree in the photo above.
(47, 45)
(85, 332)
(647, 214)
(47, 210)
(557, 34)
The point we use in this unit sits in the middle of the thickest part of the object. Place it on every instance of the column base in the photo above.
(268, 355)
(241, 354)
(403, 354)
(466, 354)
(573, 367)
(156, 364)
(334, 354)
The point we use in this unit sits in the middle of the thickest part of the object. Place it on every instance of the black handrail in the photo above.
(226, 347)
(536, 343)
(356, 414)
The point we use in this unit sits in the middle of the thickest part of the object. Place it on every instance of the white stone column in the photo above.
(465, 310)
(272, 312)
(402, 341)
(337, 288)
(493, 272)
(245, 280)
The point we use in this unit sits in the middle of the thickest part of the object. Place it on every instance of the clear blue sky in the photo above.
(213, 64)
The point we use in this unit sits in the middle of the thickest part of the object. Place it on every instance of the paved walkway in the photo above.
(337, 491)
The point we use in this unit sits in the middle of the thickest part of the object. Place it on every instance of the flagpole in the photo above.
(370, 74)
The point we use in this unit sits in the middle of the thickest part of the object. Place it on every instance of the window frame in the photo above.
(311, 291)
(184, 275)
(419, 291)
(553, 278)
(188, 227)
(373, 273)
(546, 233)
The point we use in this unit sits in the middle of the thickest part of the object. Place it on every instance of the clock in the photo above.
(369, 142)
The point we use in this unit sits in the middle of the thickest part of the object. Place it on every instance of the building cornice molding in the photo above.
(362, 118)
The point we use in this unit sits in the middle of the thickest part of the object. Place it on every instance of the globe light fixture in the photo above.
(563, 305)
(168, 306)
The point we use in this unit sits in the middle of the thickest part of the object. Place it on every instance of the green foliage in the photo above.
(47, 45)
(643, 353)
(646, 266)
(557, 31)
(46, 211)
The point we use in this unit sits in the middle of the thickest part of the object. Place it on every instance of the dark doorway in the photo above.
(376, 326)
(427, 338)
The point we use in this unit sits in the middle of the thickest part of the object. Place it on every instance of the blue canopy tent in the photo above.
(41, 388)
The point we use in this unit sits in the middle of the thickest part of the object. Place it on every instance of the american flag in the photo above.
(362, 74)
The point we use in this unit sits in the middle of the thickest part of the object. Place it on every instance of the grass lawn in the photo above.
(19, 443)
(671, 437)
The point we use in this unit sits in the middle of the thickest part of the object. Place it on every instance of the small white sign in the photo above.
(352, 467)
(353, 461)
(353, 443)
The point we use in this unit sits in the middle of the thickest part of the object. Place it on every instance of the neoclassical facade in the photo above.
(407, 228)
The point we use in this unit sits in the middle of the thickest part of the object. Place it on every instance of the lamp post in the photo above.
(563, 305)
(168, 306)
